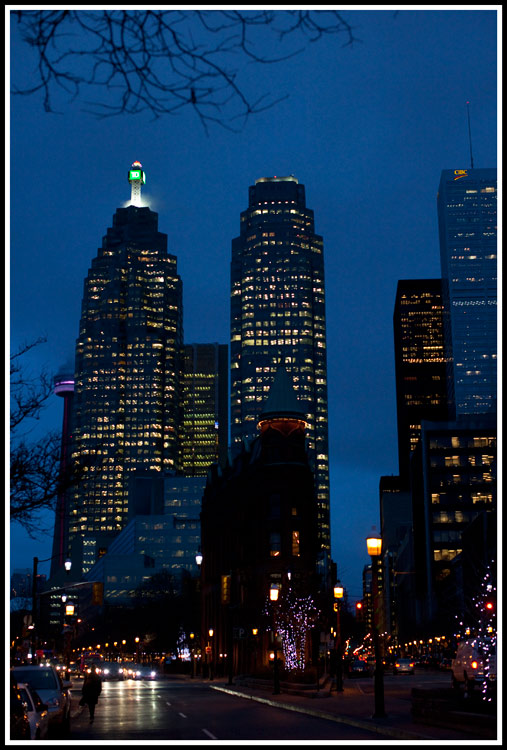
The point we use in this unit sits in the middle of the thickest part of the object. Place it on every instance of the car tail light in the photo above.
(411, 663)
(474, 664)
(396, 665)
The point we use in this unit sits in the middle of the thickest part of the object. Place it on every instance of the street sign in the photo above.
(208, 649)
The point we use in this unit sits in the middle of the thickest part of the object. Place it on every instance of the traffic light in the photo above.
(98, 593)
(225, 589)
(490, 606)
(359, 611)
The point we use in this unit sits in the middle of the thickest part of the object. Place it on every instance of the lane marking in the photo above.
(182, 715)
(209, 734)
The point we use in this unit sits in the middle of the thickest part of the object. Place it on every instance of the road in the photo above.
(171, 710)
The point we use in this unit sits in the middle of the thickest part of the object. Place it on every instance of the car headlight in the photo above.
(106, 671)
(153, 674)
(138, 674)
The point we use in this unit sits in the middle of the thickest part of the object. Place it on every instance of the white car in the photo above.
(52, 691)
(469, 666)
(37, 711)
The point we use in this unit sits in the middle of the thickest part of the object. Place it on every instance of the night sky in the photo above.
(366, 128)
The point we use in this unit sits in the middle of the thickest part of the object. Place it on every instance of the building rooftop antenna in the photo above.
(470, 136)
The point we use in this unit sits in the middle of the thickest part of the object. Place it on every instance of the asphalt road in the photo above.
(170, 710)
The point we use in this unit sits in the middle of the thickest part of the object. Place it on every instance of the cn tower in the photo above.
(64, 387)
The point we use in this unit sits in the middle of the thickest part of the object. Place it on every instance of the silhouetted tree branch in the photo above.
(163, 61)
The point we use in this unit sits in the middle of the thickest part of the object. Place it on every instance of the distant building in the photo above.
(278, 318)
(420, 367)
(259, 529)
(165, 536)
(453, 482)
(205, 394)
(127, 375)
(467, 216)
(396, 533)
(21, 583)
(64, 388)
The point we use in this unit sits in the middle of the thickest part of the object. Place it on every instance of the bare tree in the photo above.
(34, 469)
(162, 61)
(36, 476)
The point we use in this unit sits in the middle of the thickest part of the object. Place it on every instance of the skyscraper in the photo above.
(420, 367)
(278, 318)
(467, 217)
(205, 424)
(127, 373)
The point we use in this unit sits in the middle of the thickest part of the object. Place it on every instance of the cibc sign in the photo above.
(459, 173)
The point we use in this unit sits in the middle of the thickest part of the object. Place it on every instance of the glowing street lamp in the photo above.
(338, 595)
(374, 547)
(274, 592)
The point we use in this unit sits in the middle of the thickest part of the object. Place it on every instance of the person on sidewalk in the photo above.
(92, 687)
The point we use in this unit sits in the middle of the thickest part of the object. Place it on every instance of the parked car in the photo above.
(469, 666)
(358, 668)
(403, 666)
(445, 664)
(19, 722)
(38, 714)
(52, 690)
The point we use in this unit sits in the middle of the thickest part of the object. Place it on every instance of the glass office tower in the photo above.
(127, 375)
(205, 425)
(278, 318)
(467, 215)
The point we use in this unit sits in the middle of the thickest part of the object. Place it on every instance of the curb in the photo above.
(339, 719)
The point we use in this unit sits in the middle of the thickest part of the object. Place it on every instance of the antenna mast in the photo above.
(470, 137)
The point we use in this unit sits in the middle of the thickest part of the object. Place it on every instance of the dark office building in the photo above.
(205, 393)
(258, 528)
(278, 318)
(127, 376)
(453, 482)
(421, 391)
(467, 215)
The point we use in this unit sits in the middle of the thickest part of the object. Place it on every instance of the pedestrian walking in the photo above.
(91, 690)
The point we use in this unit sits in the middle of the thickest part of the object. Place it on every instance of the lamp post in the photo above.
(210, 653)
(273, 596)
(338, 595)
(192, 655)
(36, 561)
(374, 546)
(137, 649)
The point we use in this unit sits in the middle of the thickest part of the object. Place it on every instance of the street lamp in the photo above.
(210, 653)
(36, 561)
(274, 592)
(338, 595)
(374, 547)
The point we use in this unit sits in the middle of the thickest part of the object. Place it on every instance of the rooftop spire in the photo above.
(282, 400)
(137, 178)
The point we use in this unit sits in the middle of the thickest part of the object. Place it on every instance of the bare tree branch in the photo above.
(164, 61)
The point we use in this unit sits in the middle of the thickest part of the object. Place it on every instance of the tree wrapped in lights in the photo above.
(293, 616)
(482, 625)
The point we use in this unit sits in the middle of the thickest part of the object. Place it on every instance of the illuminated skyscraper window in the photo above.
(278, 318)
(467, 213)
(128, 363)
